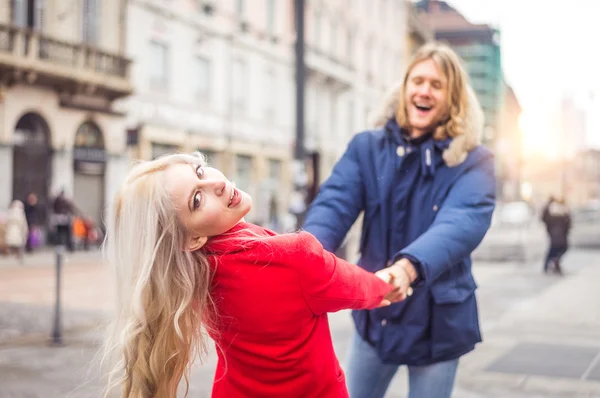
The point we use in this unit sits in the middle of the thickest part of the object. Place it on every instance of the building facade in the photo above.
(418, 32)
(60, 71)
(509, 147)
(479, 47)
(219, 77)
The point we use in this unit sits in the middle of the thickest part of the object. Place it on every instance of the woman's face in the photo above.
(426, 96)
(206, 201)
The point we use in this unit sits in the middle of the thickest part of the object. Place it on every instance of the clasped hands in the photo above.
(400, 275)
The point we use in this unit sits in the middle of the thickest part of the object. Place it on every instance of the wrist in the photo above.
(408, 268)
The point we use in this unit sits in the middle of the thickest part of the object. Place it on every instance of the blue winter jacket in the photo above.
(415, 206)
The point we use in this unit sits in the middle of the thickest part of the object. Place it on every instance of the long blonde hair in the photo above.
(163, 307)
(464, 118)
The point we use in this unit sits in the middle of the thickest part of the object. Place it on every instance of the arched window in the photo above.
(89, 136)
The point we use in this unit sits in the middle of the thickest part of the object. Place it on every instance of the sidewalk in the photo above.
(28, 295)
(46, 256)
(547, 345)
(541, 334)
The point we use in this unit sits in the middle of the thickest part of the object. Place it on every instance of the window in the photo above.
(334, 32)
(243, 173)
(350, 117)
(368, 56)
(19, 12)
(211, 157)
(270, 93)
(271, 17)
(350, 47)
(28, 13)
(90, 25)
(159, 67)
(317, 29)
(275, 172)
(202, 78)
(89, 135)
(240, 83)
(383, 12)
(240, 8)
(159, 150)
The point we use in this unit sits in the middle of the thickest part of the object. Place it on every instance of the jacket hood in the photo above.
(460, 146)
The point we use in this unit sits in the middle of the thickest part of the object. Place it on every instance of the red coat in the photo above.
(272, 297)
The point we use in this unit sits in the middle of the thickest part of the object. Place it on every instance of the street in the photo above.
(541, 332)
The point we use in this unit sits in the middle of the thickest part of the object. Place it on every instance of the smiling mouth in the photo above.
(234, 199)
(424, 108)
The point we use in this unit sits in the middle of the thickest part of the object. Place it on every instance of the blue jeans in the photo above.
(555, 254)
(368, 377)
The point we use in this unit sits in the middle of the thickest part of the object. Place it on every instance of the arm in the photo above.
(460, 225)
(25, 228)
(339, 202)
(545, 215)
(331, 284)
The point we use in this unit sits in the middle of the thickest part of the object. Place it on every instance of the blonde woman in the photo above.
(186, 261)
(427, 189)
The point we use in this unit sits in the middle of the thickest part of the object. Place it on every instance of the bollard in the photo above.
(57, 327)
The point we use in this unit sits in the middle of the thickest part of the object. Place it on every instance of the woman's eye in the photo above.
(197, 198)
(199, 171)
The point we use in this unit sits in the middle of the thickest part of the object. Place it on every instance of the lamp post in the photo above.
(300, 179)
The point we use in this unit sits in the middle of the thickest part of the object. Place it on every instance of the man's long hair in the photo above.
(463, 120)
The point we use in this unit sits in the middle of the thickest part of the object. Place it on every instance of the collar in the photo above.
(239, 238)
(426, 144)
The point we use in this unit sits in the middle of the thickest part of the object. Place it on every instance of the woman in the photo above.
(186, 261)
(427, 190)
(33, 222)
(16, 230)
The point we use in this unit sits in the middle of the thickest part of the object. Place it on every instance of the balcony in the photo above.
(329, 69)
(32, 57)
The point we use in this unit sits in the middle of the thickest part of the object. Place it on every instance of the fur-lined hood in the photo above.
(460, 146)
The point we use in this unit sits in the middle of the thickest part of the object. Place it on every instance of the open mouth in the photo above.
(235, 198)
(423, 107)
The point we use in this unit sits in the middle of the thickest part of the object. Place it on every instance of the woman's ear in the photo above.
(196, 243)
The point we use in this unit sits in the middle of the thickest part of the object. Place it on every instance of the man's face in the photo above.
(425, 97)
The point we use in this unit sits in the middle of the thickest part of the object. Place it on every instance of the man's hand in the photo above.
(401, 274)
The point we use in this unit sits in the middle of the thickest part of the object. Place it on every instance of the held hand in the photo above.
(401, 274)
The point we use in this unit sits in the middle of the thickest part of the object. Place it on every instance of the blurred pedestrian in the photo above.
(63, 213)
(427, 189)
(186, 261)
(557, 218)
(16, 229)
(33, 222)
(79, 233)
(3, 247)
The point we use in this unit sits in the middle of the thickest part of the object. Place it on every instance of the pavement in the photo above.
(541, 332)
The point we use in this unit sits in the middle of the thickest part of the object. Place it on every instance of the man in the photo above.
(63, 211)
(427, 190)
(557, 219)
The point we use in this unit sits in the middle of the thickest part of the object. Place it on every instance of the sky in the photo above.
(549, 49)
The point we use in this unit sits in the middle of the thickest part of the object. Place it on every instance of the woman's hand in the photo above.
(401, 274)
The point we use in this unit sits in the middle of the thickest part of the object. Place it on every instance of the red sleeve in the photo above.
(331, 284)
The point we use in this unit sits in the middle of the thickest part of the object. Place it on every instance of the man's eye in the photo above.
(197, 198)
(199, 171)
